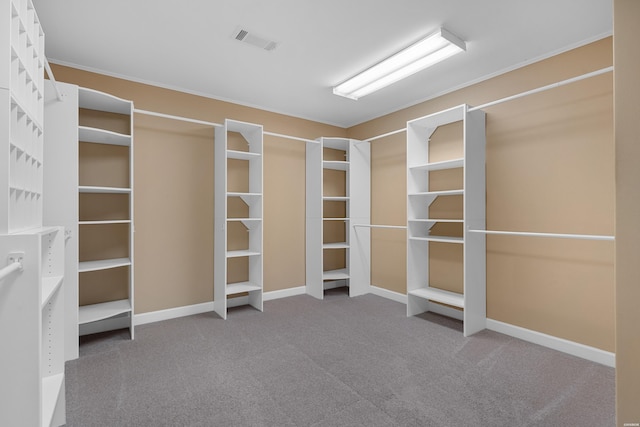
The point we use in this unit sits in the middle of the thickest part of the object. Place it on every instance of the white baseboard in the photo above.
(284, 293)
(570, 347)
(172, 313)
(385, 293)
(189, 310)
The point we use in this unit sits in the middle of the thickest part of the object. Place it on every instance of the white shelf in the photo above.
(236, 288)
(341, 245)
(237, 254)
(244, 219)
(101, 136)
(335, 165)
(50, 286)
(441, 239)
(438, 193)
(236, 194)
(335, 219)
(242, 155)
(104, 310)
(103, 264)
(448, 164)
(434, 220)
(439, 295)
(103, 190)
(96, 100)
(106, 221)
(340, 274)
(51, 389)
(335, 199)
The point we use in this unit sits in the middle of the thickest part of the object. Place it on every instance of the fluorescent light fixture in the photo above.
(420, 55)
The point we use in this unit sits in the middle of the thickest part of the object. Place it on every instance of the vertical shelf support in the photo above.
(238, 143)
(422, 295)
(330, 201)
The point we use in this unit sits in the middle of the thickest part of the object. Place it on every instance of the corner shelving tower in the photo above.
(421, 293)
(338, 196)
(105, 181)
(238, 207)
(32, 297)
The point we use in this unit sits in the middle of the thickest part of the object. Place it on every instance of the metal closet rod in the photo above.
(512, 97)
(551, 235)
(14, 266)
(206, 123)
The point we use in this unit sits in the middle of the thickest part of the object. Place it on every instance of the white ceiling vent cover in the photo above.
(246, 36)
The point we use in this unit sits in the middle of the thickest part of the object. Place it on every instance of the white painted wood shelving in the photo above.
(251, 196)
(22, 101)
(32, 329)
(353, 202)
(65, 142)
(32, 285)
(114, 314)
(422, 294)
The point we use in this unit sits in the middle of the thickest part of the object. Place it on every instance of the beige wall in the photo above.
(174, 194)
(627, 140)
(550, 168)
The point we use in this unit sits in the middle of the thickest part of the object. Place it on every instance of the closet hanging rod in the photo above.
(295, 138)
(180, 118)
(543, 88)
(384, 135)
(380, 226)
(47, 67)
(509, 98)
(14, 266)
(552, 235)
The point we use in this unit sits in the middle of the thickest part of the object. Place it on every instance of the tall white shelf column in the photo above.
(356, 198)
(31, 297)
(253, 198)
(422, 294)
(118, 313)
(64, 190)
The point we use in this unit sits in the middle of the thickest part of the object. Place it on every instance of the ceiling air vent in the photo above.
(253, 39)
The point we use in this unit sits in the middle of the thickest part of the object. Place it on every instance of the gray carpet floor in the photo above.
(338, 362)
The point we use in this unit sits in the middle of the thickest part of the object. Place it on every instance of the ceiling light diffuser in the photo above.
(420, 55)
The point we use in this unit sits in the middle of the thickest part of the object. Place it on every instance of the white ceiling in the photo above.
(187, 45)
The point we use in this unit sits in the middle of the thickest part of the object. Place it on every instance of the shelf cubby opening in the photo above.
(101, 286)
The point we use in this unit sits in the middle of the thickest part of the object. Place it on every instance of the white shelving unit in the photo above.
(64, 187)
(421, 293)
(331, 160)
(21, 109)
(60, 196)
(32, 329)
(239, 136)
(119, 313)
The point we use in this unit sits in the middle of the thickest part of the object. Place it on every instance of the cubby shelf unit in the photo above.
(252, 137)
(21, 109)
(32, 329)
(354, 199)
(421, 294)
